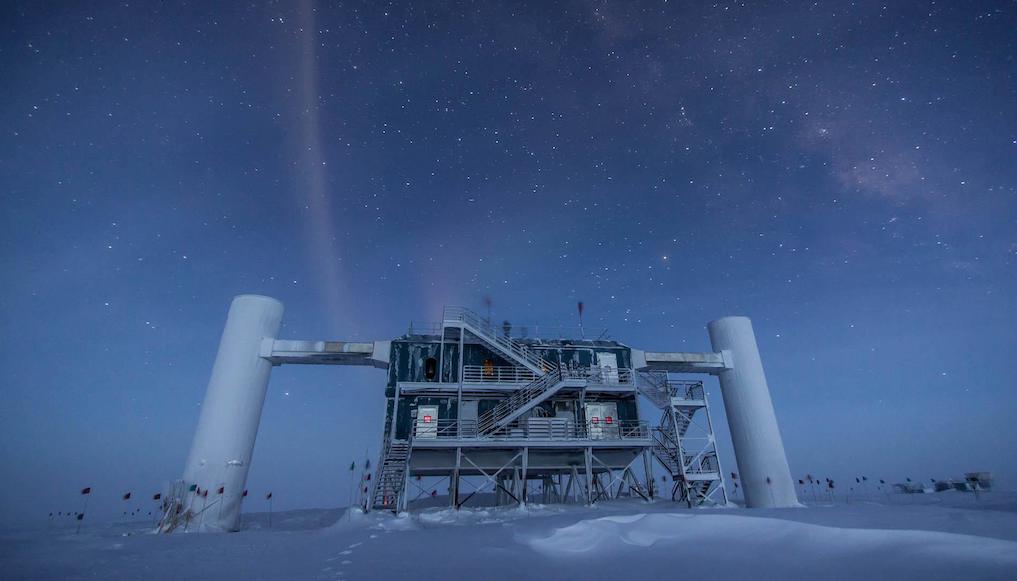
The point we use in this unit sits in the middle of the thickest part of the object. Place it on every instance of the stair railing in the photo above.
(491, 334)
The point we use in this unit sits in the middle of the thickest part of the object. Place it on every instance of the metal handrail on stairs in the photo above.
(509, 408)
(491, 335)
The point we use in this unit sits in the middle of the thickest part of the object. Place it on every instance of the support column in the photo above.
(231, 411)
(588, 453)
(651, 484)
(524, 492)
(759, 450)
(454, 485)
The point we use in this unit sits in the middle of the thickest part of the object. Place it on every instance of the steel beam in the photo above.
(290, 352)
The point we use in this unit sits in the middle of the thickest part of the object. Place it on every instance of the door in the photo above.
(468, 423)
(608, 363)
(427, 422)
(602, 420)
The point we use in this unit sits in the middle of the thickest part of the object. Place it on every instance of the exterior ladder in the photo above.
(391, 476)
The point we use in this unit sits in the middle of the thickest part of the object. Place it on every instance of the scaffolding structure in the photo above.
(552, 421)
(500, 410)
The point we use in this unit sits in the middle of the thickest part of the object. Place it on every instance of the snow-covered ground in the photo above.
(927, 537)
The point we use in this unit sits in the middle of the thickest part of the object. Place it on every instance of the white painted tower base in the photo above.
(762, 464)
(224, 440)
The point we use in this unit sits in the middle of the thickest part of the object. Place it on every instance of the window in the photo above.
(431, 369)
(488, 368)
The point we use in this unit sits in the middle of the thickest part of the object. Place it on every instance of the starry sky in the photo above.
(844, 173)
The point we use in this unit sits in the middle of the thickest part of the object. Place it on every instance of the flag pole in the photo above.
(268, 497)
(81, 517)
(222, 496)
(204, 505)
(349, 497)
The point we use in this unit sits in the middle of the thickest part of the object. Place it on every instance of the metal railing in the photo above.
(701, 464)
(529, 331)
(515, 374)
(424, 328)
(497, 374)
(661, 389)
(532, 429)
(517, 402)
(491, 334)
(601, 375)
(686, 389)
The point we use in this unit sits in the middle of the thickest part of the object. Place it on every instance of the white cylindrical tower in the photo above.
(224, 440)
(759, 450)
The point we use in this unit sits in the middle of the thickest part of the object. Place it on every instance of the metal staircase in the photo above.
(521, 401)
(472, 322)
(654, 387)
(691, 461)
(391, 476)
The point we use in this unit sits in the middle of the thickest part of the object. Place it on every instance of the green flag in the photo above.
(193, 487)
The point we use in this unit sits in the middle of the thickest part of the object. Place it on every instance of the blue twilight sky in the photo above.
(843, 173)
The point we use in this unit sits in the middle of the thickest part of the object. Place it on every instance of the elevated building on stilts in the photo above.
(506, 413)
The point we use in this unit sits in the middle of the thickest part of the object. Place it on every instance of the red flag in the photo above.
(204, 493)
(157, 496)
(127, 496)
(222, 489)
(87, 490)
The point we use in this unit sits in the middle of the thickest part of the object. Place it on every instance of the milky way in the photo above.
(842, 173)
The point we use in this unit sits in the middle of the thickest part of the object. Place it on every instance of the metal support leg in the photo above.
(523, 481)
(589, 475)
(454, 485)
(573, 482)
(648, 472)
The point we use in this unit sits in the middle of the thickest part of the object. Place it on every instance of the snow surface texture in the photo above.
(928, 537)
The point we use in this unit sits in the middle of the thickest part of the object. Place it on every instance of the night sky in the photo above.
(845, 174)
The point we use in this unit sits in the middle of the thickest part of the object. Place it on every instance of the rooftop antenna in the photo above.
(579, 305)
